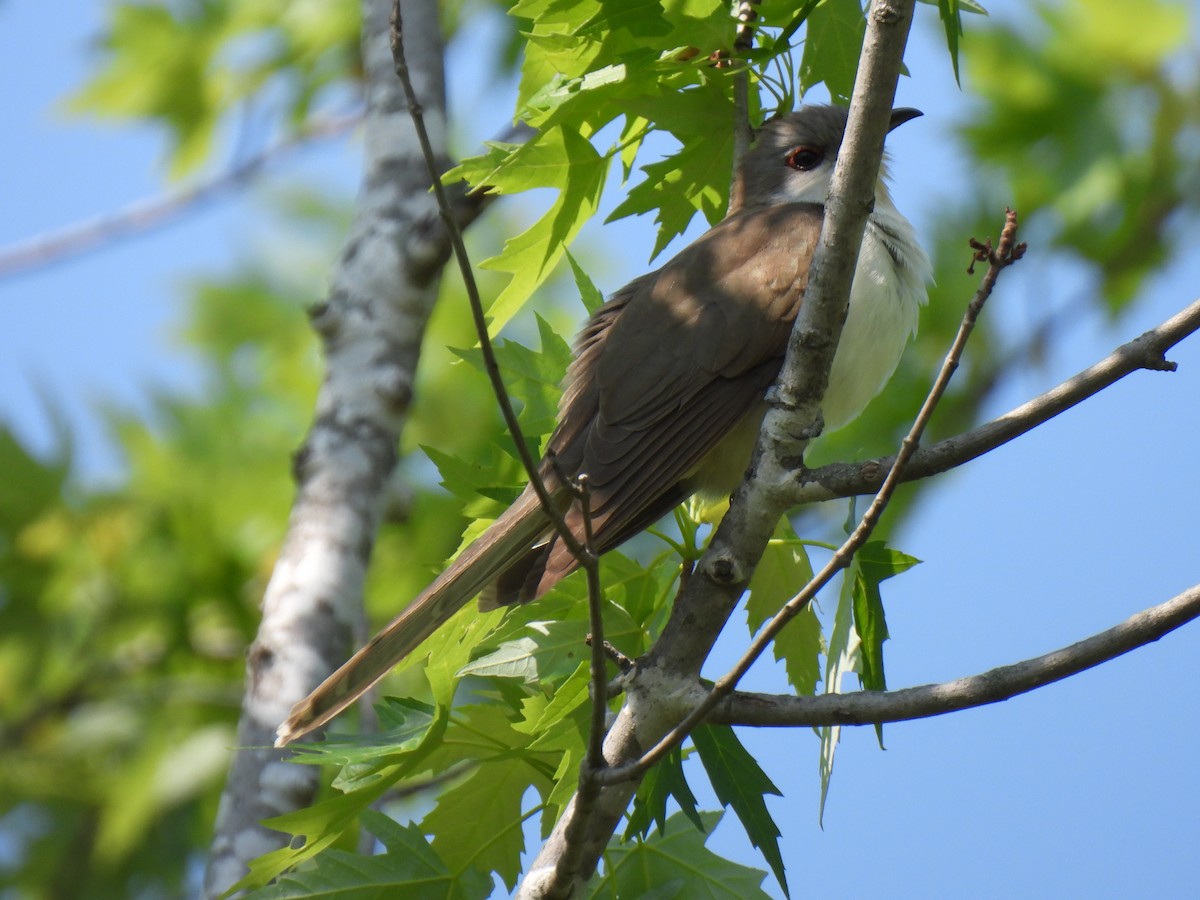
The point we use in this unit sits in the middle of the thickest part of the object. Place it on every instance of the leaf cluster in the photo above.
(125, 611)
(210, 58)
(600, 78)
(1081, 118)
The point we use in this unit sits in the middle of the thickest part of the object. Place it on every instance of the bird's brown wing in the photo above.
(669, 367)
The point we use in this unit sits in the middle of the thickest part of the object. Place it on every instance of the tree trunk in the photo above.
(383, 287)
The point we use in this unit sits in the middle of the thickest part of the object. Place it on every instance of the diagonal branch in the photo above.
(993, 686)
(141, 216)
(1145, 352)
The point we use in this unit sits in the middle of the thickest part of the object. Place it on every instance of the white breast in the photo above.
(885, 301)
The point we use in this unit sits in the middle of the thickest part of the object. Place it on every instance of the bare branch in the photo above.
(153, 212)
(744, 39)
(591, 564)
(993, 686)
(1145, 352)
(568, 864)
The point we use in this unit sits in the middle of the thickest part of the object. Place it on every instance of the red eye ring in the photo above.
(804, 158)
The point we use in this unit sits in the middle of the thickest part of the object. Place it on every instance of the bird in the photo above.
(665, 394)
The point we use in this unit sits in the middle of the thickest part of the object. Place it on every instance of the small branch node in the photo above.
(395, 388)
(1156, 362)
(622, 662)
(983, 253)
(725, 570)
(325, 320)
(1006, 253)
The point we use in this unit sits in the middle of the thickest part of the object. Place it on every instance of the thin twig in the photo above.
(1006, 253)
(595, 757)
(464, 264)
(993, 686)
(742, 42)
(619, 659)
(568, 864)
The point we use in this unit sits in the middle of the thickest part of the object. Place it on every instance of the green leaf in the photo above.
(876, 563)
(372, 764)
(204, 73)
(675, 863)
(588, 292)
(951, 17)
(557, 158)
(641, 18)
(469, 480)
(450, 648)
(783, 570)
(144, 38)
(739, 782)
(694, 180)
(320, 826)
(406, 726)
(29, 485)
(664, 781)
(560, 621)
(642, 590)
(408, 868)
(834, 37)
(969, 6)
(533, 376)
(468, 834)
(552, 652)
(541, 715)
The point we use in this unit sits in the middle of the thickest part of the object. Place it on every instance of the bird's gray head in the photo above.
(793, 156)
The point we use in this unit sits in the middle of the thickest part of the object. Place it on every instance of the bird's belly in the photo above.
(724, 466)
(882, 317)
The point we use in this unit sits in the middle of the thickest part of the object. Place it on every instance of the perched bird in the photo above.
(665, 395)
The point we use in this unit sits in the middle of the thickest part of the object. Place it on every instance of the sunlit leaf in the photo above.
(663, 782)
(834, 36)
(781, 572)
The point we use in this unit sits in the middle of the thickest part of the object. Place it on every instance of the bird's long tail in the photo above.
(507, 540)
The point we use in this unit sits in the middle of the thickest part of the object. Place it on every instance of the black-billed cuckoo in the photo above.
(665, 395)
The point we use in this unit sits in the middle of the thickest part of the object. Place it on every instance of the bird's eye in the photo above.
(804, 158)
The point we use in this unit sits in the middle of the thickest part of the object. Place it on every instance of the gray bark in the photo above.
(382, 290)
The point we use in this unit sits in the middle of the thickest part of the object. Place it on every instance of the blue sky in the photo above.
(1085, 788)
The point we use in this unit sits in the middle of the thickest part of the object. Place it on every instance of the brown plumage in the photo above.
(663, 399)
(666, 370)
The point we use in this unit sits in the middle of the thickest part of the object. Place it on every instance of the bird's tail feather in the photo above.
(508, 538)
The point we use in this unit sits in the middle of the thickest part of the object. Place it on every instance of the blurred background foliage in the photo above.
(125, 608)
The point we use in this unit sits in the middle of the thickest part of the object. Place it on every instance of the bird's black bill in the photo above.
(903, 114)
